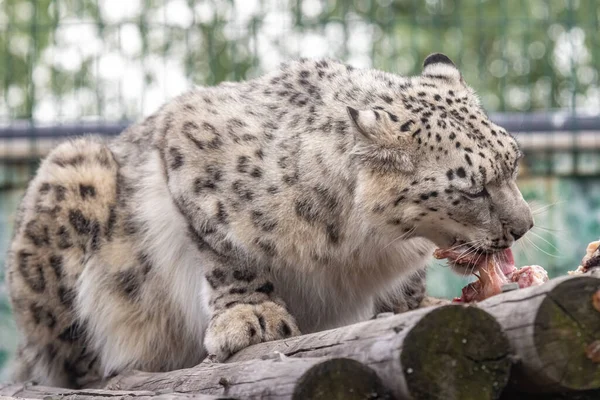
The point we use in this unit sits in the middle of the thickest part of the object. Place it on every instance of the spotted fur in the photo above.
(247, 212)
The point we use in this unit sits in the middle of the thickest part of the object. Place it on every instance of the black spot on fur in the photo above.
(81, 224)
(231, 304)
(72, 333)
(200, 184)
(32, 274)
(56, 263)
(284, 329)
(240, 290)
(64, 239)
(176, 158)
(95, 236)
(45, 187)
(267, 246)
(110, 223)
(215, 278)
(251, 330)
(387, 99)
(128, 282)
(261, 322)
(86, 191)
(60, 192)
(305, 209)
(468, 159)
(244, 275)
(42, 316)
(66, 297)
(266, 288)
(461, 172)
(37, 233)
(242, 164)
(256, 173)
(241, 189)
(399, 200)
(263, 222)
(222, 214)
(405, 127)
(333, 233)
(450, 174)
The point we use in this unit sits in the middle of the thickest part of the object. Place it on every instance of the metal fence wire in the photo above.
(69, 67)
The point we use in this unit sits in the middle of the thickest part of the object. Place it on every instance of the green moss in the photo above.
(565, 325)
(340, 379)
(456, 352)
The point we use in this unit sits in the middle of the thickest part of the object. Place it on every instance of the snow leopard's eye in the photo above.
(472, 196)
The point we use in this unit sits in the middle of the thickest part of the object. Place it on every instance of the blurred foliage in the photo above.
(520, 55)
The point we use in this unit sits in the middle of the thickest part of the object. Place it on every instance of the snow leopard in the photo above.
(298, 201)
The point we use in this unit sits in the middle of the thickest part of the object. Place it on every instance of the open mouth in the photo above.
(494, 270)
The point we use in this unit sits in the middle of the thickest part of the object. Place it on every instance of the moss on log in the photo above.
(340, 379)
(449, 352)
(456, 353)
(277, 378)
(554, 331)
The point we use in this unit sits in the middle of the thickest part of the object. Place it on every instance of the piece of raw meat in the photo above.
(493, 271)
(591, 259)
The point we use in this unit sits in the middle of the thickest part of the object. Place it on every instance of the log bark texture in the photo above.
(554, 332)
(449, 352)
(280, 378)
(276, 378)
(26, 391)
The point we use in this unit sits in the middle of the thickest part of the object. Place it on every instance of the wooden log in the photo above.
(448, 352)
(277, 378)
(554, 331)
(579, 395)
(28, 391)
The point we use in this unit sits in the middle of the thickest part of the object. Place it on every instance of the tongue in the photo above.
(506, 262)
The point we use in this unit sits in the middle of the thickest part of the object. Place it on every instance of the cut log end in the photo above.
(340, 378)
(468, 357)
(567, 329)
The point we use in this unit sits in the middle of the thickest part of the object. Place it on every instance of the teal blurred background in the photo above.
(71, 66)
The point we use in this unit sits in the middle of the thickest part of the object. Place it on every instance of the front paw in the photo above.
(245, 324)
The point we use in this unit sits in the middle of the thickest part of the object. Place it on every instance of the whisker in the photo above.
(525, 250)
(538, 248)
(548, 229)
(546, 207)
(405, 234)
(463, 244)
(536, 235)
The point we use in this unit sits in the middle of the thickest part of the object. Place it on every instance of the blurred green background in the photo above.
(73, 66)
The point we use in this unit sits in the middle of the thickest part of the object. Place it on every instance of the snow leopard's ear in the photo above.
(381, 144)
(368, 122)
(439, 66)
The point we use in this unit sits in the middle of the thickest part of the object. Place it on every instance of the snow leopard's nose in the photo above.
(517, 235)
